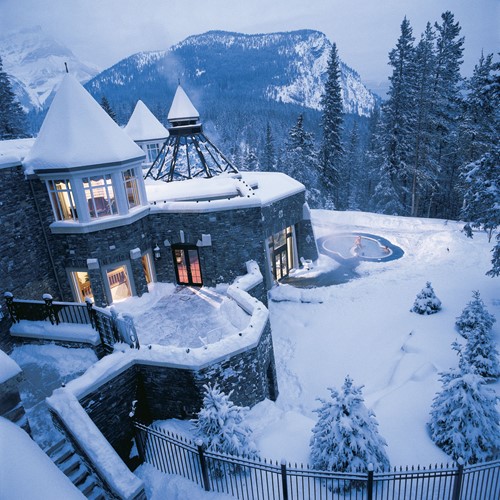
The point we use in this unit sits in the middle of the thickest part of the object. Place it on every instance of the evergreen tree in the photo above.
(251, 162)
(426, 301)
(464, 420)
(301, 160)
(447, 104)
(12, 116)
(221, 425)
(398, 115)
(480, 122)
(423, 169)
(107, 107)
(345, 437)
(481, 353)
(268, 158)
(482, 192)
(474, 316)
(352, 174)
(332, 150)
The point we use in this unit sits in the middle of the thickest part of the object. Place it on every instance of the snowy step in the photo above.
(70, 465)
(78, 475)
(62, 455)
(55, 447)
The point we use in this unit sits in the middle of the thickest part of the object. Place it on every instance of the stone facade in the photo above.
(25, 265)
(11, 406)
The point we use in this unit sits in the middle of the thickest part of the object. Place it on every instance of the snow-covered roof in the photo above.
(144, 126)
(77, 132)
(222, 192)
(26, 471)
(182, 108)
(8, 367)
(13, 151)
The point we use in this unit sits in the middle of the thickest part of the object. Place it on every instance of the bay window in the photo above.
(100, 196)
(63, 202)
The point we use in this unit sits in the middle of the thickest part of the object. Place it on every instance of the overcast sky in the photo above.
(103, 32)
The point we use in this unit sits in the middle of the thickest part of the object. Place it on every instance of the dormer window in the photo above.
(63, 202)
(100, 196)
(152, 151)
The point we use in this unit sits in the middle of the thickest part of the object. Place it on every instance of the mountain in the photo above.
(278, 67)
(35, 63)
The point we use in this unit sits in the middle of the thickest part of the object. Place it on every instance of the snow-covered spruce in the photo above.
(474, 316)
(426, 301)
(481, 353)
(221, 425)
(345, 437)
(464, 420)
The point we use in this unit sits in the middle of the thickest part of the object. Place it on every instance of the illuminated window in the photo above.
(130, 182)
(61, 197)
(281, 252)
(153, 151)
(81, 285)
(119, 283)
(146, 267)
(100, 196)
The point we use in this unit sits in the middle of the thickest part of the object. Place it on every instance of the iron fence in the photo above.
(111, 327)
(267, 480)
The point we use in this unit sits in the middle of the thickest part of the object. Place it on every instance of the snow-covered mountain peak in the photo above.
(35, 62)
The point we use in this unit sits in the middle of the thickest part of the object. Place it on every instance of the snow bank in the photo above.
(8, 367)
(26, 472)
(63, 332)
(109, 465)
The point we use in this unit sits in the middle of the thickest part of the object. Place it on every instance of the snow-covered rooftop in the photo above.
(144, 126)
(182, 108)
(8, 367)
(77, 132)
(13, 151)
(223, 192)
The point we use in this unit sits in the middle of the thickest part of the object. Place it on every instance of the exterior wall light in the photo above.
(156, 252)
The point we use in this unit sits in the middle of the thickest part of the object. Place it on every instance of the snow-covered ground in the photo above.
(364, 328)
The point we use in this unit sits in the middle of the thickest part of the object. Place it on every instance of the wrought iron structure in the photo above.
(189, 153)
(262, 480)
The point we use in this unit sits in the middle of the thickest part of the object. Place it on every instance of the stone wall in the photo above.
(25, 266)
(109, 407)
(11, 406)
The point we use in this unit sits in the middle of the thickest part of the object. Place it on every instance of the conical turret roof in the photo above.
(182, 108)
(144, 126)
(77, 132)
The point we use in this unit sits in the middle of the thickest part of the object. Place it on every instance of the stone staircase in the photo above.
(68, 461)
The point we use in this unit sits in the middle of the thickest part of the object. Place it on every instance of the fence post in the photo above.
(49, 308)
(203, 465)
(90, 309)
(9, 300)
(369, 485)
(457, 485)
(283, 479)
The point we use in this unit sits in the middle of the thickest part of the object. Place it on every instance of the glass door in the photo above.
(187, 265)
(119, 283)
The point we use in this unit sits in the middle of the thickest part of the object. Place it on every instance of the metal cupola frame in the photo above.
(187, 153)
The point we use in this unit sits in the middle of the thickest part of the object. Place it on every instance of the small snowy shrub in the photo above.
(474, 316)
(426, 301)
(464, 420)
(345, 437)
(221, 427)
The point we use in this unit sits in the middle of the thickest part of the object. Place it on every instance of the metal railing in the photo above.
(247, 479)
(112, 328)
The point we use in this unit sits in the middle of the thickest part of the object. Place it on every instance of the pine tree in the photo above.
(250, 160)
(345, 437)
(481, 353)
(398, 115)
(464, 420)
(107, 107)
(221, 425)
(426, 301)
(423, 169)
(12, 116)
(447, 104)
(480, 122)
(301, 160)
(474, 316)
(352, 172)
(482, 195)
(332, 150)
(268, 158)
